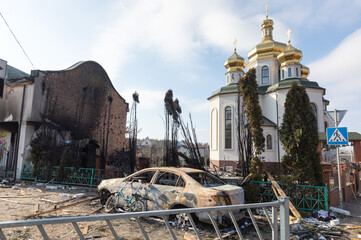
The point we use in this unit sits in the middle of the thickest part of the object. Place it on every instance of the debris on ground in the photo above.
(322, 225)
(323, 215)
(341, 211)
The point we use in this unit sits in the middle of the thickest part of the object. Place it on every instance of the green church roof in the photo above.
(233, 88)
(288, 83)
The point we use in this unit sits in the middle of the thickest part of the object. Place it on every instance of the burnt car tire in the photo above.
(138, 206)
(110, 204)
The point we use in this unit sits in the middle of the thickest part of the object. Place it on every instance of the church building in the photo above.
(277, 66)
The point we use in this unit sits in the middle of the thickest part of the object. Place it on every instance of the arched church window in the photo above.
(296, 72)
(228, 128)
(289, 72)
(269, 142)
(265, 75)
(314, 109)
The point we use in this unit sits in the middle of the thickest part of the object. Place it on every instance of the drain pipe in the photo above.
(19, 131)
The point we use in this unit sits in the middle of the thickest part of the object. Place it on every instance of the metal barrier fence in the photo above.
(74, 176)
(282, 233)
(303, 197)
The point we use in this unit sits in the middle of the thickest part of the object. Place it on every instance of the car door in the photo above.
(166, 190)
(137, 183)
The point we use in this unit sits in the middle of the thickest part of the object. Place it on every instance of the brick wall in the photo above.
(348, 189)
(83, 101)
(357, 151)
(223, 163)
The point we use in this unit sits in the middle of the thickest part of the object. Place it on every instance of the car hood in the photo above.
(235, 193)
(112, 185)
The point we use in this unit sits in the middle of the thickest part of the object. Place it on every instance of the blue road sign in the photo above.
(337, 136)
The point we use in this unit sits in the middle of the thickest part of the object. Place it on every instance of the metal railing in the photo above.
(282, 233)
(90, 177)
(303, 197)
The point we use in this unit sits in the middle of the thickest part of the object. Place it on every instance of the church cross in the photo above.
(235, 43)
(267, 6)
(289, 35)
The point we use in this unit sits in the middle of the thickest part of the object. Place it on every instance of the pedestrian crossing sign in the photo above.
(337, 136)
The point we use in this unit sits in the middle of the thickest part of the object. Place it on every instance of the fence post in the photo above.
(284, 218)
(91, 178)
(326, 198)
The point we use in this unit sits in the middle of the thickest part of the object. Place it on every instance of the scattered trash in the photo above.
(50, 187)
(5, 182)
(79, 195)
(40, 184)
(73, 188)
(335, 222)
(63, 195)
(323, 215)
(341, 211)
(15, 188)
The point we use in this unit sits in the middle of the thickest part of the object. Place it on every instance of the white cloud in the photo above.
(339, 73)
(175, 31)
(148, 99)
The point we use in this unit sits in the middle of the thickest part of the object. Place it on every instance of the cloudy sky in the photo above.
(150, 46)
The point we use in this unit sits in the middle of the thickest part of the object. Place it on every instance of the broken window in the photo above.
(144, 177)
(170, 179)
(206, 179)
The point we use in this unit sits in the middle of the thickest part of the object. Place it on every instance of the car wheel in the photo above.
(111, 203)
(104, 197)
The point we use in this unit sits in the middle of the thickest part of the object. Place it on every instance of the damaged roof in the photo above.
(14, 74)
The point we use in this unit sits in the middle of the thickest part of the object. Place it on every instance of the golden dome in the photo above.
(290, 56)
(305, 71)
(268, 47)
(235, 63)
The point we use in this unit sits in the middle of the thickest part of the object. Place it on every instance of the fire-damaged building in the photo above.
(77, 106)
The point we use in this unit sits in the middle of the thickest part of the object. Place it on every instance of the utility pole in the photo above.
(338, 165)
(337, 116)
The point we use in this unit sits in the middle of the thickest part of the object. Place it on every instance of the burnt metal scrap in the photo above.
(172, 188)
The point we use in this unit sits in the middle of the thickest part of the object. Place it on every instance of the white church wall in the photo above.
(269, 106)
(270, 154)
(315, 96)
(273, 66)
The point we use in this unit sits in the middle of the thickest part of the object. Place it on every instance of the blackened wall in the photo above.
(83, 101)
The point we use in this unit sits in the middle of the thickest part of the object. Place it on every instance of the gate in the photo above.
(303, 197)
(279, 231)
(7, 164)
(90, 177)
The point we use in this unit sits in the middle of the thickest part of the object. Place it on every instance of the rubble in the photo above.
(322, 225)
(79, 195)
(341, 211)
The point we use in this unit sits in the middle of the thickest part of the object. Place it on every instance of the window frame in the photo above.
(265, 75)
(228, 142)
(271, 141)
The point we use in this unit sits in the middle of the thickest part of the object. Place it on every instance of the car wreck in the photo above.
(164, 188)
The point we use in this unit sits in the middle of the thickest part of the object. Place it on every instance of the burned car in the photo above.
(172, 188)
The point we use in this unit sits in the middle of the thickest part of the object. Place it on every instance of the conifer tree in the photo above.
(249, 92)
(299, 136)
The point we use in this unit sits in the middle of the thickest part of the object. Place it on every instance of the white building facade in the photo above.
(277, 66)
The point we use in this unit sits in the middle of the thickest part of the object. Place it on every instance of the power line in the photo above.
(17, 41)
